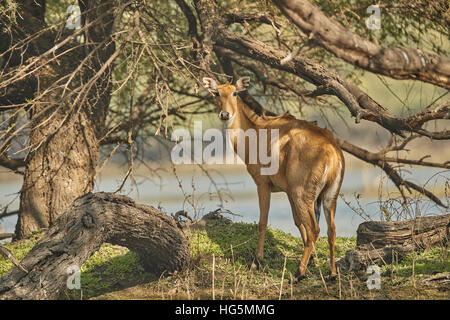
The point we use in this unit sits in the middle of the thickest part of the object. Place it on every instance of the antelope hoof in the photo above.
(299, 277)
(256, 264)
(332, 277)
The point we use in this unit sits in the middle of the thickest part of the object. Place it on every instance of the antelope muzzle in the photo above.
(224, 115)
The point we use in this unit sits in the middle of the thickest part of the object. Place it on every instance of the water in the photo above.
(238, 195)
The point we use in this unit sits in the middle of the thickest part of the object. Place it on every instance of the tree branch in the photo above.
(12, 164)
(211, 22)
(192, 26)
(398, 63)
(375, 159)
(242, 17)
(5, 214)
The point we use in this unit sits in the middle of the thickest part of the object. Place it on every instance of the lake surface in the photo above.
(198, 196)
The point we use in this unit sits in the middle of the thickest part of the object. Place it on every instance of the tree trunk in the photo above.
(59, 171)
(79, 232)
(384, 242)
(62, 160)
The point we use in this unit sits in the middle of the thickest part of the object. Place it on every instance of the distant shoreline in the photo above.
(155, 169)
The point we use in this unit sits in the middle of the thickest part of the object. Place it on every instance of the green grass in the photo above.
(19, 249)
(433, 261)
(112, 269)
(219, 238)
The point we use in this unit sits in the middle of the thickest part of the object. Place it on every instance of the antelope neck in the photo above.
(246, 118)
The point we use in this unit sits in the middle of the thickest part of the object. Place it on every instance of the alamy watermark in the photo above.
(262, 147)
(74, 20)
(374, 21)
(74, 279)
(374, 280)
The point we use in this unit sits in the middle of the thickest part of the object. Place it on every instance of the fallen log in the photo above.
(380, 243)
(80, 231)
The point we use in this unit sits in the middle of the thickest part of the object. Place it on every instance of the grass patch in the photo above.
(19, 249)
(429, 262)
(219, 237)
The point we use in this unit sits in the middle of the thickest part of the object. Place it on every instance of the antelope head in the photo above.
(226, 96)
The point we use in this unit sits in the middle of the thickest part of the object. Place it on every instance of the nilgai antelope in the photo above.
(311, 167)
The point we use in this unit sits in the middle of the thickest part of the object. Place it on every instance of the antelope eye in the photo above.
(217, 93)
(234, 93)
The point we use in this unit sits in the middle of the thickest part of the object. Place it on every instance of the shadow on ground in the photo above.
(100, 276)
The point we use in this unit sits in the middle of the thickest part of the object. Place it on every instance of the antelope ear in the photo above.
(209, 83)
(242, 84)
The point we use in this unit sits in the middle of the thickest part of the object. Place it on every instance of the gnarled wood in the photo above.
(79, 232)
(383, 242)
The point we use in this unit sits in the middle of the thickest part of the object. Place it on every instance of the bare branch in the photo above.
(4, 236)
(12, 164)
(375, 159)
(5, 214)
(211, 22)
(7, 254)
(192, 26)
(241, 17)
